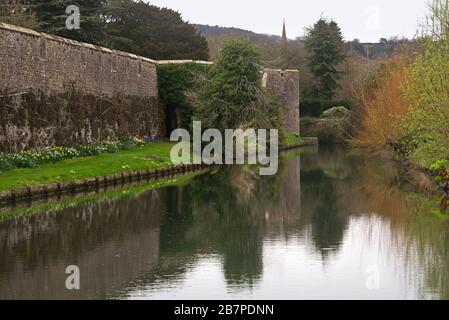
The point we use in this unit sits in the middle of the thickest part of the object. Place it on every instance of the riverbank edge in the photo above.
(417, 176)
(420, 178)
(34, 192)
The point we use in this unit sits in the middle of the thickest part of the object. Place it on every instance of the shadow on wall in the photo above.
(60, 92)
(33, 121)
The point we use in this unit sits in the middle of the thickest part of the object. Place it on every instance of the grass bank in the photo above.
(70, 201)
(154, 155)
(150, 156)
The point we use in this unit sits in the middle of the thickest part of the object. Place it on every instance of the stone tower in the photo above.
(285, 85)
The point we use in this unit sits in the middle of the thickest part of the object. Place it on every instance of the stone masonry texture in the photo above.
(285, 85)
(55, 91)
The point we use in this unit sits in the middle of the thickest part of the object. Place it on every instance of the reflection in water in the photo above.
(311, 231)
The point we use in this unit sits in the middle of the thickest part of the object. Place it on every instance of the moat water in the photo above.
(332, 224)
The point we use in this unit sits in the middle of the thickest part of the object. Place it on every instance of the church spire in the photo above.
(284, 36)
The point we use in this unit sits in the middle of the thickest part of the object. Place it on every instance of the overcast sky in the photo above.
(367, 20)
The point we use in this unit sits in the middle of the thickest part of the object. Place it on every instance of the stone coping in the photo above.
(280, 70)
(183, 62)
(10, 27)
(30, 32)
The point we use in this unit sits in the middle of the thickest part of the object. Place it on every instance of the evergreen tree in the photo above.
(326, 50)
(127, 25)
(157, 33)
(18, 13)
(52, 17)
(233, 96)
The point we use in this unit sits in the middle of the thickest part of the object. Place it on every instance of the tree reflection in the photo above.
(150, 238)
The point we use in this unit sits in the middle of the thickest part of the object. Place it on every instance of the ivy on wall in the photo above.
(174, 82)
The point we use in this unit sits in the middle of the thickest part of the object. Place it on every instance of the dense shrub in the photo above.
(426, 138)
(29, 159)
(407, 106)
(336, 113)
(327, 130)
(383, 106)
(313, 107)
(175, 81)
(233, 96)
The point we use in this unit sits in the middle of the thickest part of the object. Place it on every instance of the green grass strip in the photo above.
(150, 156)
(58, 206)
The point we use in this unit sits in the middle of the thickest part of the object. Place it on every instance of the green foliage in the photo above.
(293, 140)
(426, 126)
(439, 165)
(314, 107)
(175, 81)
(149, 156)
(146, 30)
(440, 170)
(28, 159)
(328, 131)
(336, 113)
(233, 96)
(126, 25)
(326, 50)
(51, 16)
(17, 12)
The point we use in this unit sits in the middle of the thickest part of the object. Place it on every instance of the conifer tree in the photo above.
(52, 16)
(326, 50)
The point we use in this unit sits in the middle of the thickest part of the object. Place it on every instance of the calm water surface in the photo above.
(326, 227)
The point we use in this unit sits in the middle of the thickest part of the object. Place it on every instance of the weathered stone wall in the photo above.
(55, 91)
(285, 85)
(30, 61)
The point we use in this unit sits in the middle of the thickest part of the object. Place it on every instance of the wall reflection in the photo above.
(131, 243)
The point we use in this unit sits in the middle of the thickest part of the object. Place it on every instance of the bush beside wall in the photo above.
(311, 107)
(174, 81)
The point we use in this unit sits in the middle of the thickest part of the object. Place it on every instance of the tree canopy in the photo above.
(127, 25)
(52, 16)
(233, 96)
(147, 30)
(18, 13)
(326, 50)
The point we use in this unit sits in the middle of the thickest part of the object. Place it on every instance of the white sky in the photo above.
(367, 20)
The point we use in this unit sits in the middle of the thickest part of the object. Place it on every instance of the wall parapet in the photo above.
(11, 27)
(34, 61)
(183, 62)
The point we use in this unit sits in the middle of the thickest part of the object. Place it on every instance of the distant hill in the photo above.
(382, 49)
(216, 37)
(269, 44)
(214, 31)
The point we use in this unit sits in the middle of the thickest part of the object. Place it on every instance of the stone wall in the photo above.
(36, 61)
(285, 85)
(55, 91)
